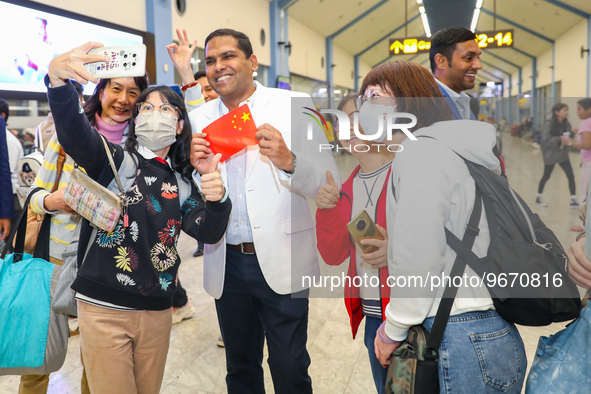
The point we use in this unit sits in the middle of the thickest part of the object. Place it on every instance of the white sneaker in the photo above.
(574, 204)
(73, 326)
(182, 313)
(540, 202)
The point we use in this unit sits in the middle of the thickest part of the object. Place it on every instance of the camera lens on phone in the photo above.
(361, 225)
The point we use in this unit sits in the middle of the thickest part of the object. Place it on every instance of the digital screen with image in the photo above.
(38, 37)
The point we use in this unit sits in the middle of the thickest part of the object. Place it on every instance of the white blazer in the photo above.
(280, 219)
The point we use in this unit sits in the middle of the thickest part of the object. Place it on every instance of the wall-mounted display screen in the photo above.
(32, 37)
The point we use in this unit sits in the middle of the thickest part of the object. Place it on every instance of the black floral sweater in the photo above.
(137, 266)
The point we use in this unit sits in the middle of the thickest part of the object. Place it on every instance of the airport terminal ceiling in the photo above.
(526, 17)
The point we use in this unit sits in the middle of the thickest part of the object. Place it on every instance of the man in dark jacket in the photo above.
(6, 198)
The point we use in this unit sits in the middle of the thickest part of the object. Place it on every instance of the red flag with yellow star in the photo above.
(231, 133)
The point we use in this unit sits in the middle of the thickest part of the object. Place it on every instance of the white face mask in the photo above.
(154, 131)
(372, 119)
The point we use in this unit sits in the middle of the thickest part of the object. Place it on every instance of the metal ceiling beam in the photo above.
(519, 26)
(285, 4)
(500, 58)
(523, 52)
(491, 74)
(570, 8)
(388, 35)
(354, 21)
(329, 52)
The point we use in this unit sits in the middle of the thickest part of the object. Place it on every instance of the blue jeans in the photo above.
(379, 373)
(480, 353)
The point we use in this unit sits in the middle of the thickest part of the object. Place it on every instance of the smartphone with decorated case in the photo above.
(126, 61)
(362, 227)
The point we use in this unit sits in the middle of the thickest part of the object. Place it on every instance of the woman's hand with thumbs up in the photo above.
(328, 194)
(212, 186)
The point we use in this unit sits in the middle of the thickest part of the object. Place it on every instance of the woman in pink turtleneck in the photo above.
(108, 110)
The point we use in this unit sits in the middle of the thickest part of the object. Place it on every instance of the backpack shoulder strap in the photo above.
(449, 294)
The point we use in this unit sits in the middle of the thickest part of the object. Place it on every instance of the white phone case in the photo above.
(126, 61)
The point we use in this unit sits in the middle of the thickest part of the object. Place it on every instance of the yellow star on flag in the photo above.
(245, 117)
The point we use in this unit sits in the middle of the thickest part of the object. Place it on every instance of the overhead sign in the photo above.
(495, 39)
(485, 39)
(407, 46)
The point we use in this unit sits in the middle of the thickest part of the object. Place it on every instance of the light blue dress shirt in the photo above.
(462, 100)
(239, 230)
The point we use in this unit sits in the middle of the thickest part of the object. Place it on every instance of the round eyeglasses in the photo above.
(375, 96)
(167, 111)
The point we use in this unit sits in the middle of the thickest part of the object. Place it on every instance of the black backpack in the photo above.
(534, 288)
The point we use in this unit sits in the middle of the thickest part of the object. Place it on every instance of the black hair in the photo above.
(93, 105)
(558, 127)
(585, 103)
(4, 108)
(199, 74)
(179, 152)
(78, 87)
(243, 41)
(445, 42)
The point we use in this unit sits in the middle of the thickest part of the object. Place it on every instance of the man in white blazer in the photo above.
(255, 272)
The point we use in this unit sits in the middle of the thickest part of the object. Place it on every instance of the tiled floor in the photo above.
(339, 364)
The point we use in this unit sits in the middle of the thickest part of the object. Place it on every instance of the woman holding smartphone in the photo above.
(127, 277)
(365, 190)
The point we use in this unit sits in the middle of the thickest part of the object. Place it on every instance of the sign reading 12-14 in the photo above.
(485, 39)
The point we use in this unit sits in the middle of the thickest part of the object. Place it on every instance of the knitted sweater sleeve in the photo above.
(204, 220)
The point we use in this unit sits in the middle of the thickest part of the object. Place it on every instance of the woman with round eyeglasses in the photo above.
(365, 190)
(430, 189)
(127, 277)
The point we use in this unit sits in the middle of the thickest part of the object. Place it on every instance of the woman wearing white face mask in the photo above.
(126, 281)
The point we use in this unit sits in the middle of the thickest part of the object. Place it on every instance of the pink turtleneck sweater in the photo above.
(112, 132)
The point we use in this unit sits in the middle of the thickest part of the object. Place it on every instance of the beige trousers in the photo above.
(124, 351)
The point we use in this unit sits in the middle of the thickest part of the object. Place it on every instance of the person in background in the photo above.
(15, 153)
(366, 190)
(126, 281)
(6, 196)
(584, 144)
(554, 151)
(207, 91)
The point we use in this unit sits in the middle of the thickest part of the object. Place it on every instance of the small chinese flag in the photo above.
(232, 132)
